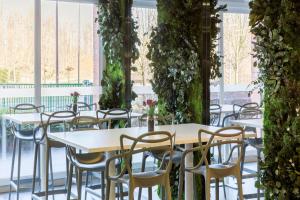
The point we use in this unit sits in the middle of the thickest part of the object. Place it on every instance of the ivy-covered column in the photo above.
(119, 38)
(276, 26)
(180, 46)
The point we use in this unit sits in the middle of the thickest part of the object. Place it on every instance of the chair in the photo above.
(238, 108)
(21, 133)
(158, 153)
(159, 176)
(252, 140)
(82, 106)
(119, 117)
(89, 162)
(224, 136)
(61, 119)
(215, 114)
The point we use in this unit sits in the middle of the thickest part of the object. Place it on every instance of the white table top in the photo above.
(255, 123)
(227, 108)
(109, 140)
(35, 118)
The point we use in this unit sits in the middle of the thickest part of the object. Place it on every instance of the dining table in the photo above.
(35, 119)
(108, 141)
(254, 123)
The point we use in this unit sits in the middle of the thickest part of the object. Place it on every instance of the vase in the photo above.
(150, 121)
(75, 108)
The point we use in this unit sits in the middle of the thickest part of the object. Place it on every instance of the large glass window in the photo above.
(146, 19)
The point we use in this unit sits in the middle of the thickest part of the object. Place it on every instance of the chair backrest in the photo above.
(89, 123)
(215, 114)
(26, 108)
(238, 108)
(250, 113)
(214, 101)
(61, 118)
(229, 135)
(117, 116)
(155, 141)
(82, 106)
(159, 119)
(227, 118)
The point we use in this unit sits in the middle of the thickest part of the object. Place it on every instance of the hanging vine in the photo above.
(113, 30)
(176, 53)
(276, 27)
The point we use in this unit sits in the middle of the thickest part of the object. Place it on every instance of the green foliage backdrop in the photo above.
(276, 26)
(176, 54)
(112, 28)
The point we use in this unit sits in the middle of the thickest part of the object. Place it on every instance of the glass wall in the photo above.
(67, 64)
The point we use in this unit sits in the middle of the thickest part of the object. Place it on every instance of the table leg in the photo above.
(189, 181)
(4, 134)
(112, 172)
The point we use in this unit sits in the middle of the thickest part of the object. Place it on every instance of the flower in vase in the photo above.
(150, 104)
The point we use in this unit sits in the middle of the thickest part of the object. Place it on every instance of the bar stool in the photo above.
(89, 162)
(61, 119)
(21, 134)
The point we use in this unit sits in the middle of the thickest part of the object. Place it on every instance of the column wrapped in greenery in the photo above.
(120, 40)
(176, 53)
(276, 26)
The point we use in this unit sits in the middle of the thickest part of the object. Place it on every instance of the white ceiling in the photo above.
(236, 6)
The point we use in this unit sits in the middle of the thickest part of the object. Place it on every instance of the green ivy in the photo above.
(112, 28)
(176, 54)
(276, 27)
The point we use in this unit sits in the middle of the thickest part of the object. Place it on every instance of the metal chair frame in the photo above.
(20, 136)
(82, 106)
(42, 139)
(115, 112)
(86, 123)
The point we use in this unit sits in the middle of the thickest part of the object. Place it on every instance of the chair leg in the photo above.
(121, 191)
(180, 185)
(142, 170)
(243, 157)
(131, 192)
(258, 173)
(168, 189)
(207, 188)
(79, 183)
(107, 189)
(69, 184)
(19, 168)
(86, 184)
(150, 193)
(12, 165)
(34, 167)
(240, 186)
(47, 172)
(217, 189)
(103, 186)
(51, 172)
(224, 188)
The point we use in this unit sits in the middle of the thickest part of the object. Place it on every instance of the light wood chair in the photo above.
(230, 167)
(148, 179)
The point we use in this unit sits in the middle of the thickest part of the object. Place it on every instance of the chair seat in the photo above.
(92, 161)
(24, 135)
(144, 179)
(214, 167)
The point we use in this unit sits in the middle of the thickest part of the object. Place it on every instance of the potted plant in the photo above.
(75, 96)
(150, 104)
